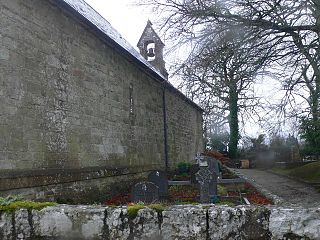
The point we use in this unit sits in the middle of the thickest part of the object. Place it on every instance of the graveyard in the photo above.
(201, 205)
(207, 181)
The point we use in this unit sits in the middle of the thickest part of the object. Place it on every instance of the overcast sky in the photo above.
(127, 19)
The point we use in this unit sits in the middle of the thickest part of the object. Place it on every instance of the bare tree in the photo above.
(291, 27)
(220, 74)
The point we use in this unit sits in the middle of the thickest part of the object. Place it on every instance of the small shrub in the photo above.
(222, 191)
(184, 167)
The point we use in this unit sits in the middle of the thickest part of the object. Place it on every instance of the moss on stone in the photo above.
(13, 206)
(158, 207)
(133, 210)
(228, 203)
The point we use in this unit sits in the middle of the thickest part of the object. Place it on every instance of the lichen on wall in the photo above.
(186, 222)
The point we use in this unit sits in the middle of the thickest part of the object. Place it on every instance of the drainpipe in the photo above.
(165, 128)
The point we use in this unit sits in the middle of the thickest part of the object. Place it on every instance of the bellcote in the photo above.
(151, 48)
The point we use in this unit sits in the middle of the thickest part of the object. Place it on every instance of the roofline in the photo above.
(108, 40)
(184, 97)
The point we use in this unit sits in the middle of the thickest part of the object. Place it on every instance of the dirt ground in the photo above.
(292, 192)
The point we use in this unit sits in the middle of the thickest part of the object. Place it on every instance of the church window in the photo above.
(131, 98)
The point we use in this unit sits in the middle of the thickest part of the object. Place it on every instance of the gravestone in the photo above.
(160, 179)
(146, 192)
(194, 168)
(204, 177)
(213, 167)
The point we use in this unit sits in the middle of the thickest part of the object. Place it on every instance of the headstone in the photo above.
(160, 179)
(146, 192)
(204, 177)
(194, 168)
(213, 166)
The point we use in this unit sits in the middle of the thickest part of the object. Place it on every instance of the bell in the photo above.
(150, 52)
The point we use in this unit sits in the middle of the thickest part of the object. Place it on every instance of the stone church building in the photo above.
(82, 113)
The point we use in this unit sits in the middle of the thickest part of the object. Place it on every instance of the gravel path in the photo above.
(292, 192)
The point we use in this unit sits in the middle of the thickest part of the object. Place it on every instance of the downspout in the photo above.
(165, 128)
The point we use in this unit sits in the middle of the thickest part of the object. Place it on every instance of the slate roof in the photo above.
(100, 25)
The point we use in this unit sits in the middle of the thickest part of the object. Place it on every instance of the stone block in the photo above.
(226, 222)
(295, 222)
(144, 226)
(22, 224)
(69, 222)
(118, 223)
(184, 222)
(6, 226)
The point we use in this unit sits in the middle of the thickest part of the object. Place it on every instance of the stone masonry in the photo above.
(77, 106)
(188, 222)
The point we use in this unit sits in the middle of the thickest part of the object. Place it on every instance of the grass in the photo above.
(309, 172)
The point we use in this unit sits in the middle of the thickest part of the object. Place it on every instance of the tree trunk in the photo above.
(233, 121)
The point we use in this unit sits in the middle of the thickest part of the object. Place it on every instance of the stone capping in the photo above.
(176, 222)
(14, 179)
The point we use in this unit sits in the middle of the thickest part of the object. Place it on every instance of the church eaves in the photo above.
(100, 25)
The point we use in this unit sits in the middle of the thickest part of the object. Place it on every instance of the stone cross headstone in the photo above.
(146, 192)
(204, 177)
(160, 179)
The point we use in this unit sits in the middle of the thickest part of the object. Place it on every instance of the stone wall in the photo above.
(185, 134)
(71, 100)
(177, 222)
